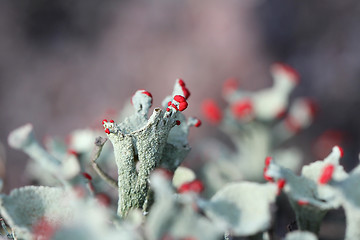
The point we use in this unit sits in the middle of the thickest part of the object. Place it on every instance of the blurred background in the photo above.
(65, 64)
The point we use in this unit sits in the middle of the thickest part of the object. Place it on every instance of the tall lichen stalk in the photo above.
(140, 144)
(149, 142)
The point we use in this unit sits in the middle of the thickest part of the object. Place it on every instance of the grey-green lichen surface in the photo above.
(143, 143)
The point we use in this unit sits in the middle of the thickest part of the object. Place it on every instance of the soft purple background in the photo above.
(64, 64)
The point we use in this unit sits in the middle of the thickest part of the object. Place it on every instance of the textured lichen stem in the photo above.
(124, 158)
(99, 143)
(148, 159)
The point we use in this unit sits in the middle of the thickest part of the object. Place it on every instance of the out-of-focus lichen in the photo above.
(257, 123)
(24, 138)
(347, 193)
(244, 208)
(158, 198)
(309, 198)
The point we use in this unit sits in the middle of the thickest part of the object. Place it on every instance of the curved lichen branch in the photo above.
(308, 197)
(99, 143)
(23, 138)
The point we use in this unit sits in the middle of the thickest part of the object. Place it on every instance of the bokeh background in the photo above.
(65, 64)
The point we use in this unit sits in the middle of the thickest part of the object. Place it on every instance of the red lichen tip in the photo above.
(340, 150)
(179, 98)
(181, 82)
(280, 184)
(198, 123)
(146, 93)
(186, 92)
(212, 111)
(290, 71)
(194, 186)
(107, 131)
(104, 121)
(178, 122)
(169, 103)
(73, 152)
(174, 106)
(183, 106)
(267, 177)
(242, 108)
(326, 174)
(268, 161)
(112, 121)
(87, 176)
(168, 109)
(302, 202)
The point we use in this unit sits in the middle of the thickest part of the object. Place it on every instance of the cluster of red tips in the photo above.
(182, 102)
(184, 88)
(267, 163)
(280, 184)
(107, 131)
(198, 123)
(87, 176)
(230, 85)
(174, 106)
(302, 202)
(290, 71)
(179, 98)
(212, 111)
(104, 121)
(194, 186)
(341, 151)
(178, 122)
(242, 109)
(183, 106)
(326, 174)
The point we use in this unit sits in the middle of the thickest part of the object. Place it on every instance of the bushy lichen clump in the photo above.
(158, 198)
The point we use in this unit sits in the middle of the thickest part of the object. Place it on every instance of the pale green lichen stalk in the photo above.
(141, 144)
